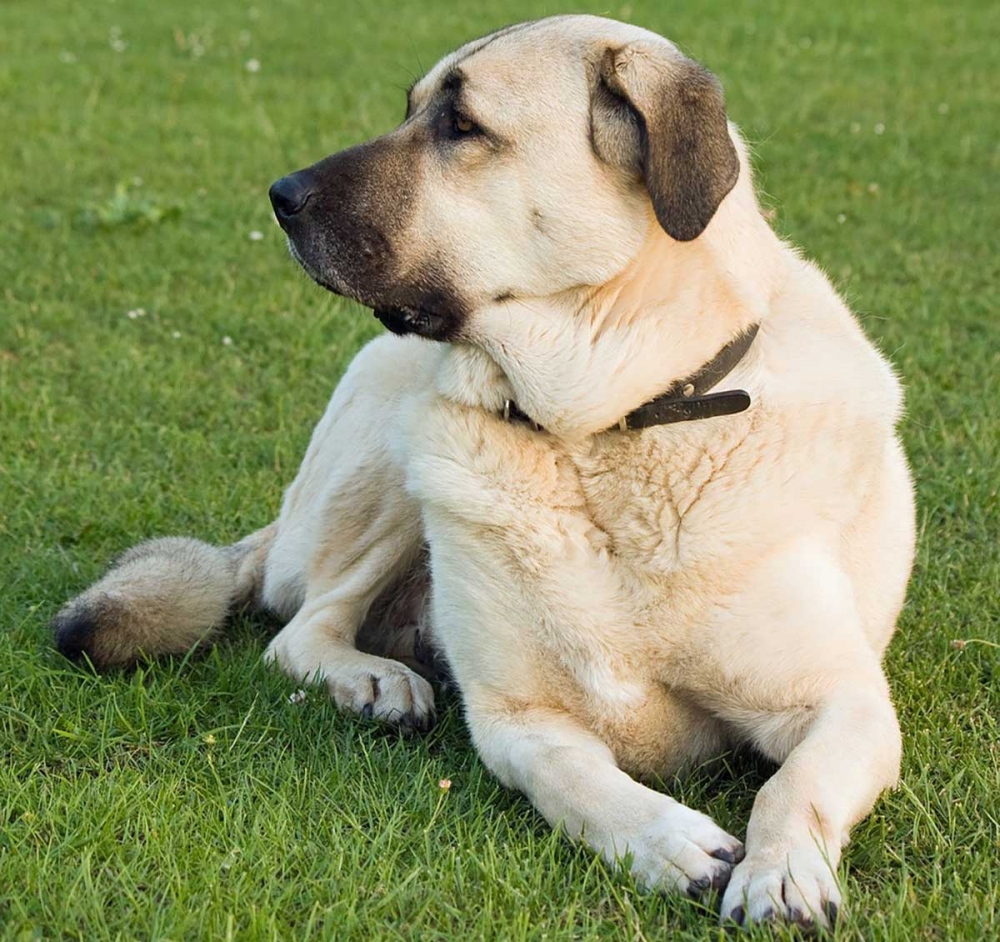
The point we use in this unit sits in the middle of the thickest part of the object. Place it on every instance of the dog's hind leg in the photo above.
(372, 541)
(348, 534)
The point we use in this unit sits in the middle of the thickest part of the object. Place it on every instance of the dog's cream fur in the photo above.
(617, 606)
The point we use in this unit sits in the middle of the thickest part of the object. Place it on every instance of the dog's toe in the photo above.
(399, 697)
(678, 852)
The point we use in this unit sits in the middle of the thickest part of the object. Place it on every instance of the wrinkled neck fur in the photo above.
(578, 361)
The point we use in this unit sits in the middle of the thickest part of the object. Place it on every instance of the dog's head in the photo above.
(529, 163)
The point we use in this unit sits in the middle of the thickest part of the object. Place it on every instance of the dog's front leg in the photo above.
(823, 710)
(527, 609)
(571, 777)
(802, 815)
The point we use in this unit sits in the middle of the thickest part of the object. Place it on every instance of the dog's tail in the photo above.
(162, 597)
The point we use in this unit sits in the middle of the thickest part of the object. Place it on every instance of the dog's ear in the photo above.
(662, 115)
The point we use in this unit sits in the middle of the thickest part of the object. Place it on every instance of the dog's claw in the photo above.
(730, 856)
(697, 887)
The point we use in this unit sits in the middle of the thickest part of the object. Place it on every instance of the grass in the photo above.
(192, 799)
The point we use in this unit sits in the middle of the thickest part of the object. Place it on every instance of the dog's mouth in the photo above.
(414, 320)
(423, 320)
(341, 290)
(300, 260)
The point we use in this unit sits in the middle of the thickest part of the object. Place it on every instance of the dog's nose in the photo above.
(290, 194)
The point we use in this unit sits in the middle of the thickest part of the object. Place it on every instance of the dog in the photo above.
(624, 461)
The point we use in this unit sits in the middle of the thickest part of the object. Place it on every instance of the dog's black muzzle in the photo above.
(348, 221)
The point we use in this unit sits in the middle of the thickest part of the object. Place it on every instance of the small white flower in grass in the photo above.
(298, 697)
(256, 235)
(880, 128)
(227, 341)
(253, 65)
(841, 218)
(444, 784)
(943, 108)
(873, 188)
(176, 335)
(132, 315)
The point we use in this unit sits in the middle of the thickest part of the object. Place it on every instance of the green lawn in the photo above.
(137, 141)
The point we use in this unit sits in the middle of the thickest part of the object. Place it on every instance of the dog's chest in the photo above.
(571, 555)
(654, 493)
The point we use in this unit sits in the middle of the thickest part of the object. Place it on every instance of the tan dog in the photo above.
(619, 592)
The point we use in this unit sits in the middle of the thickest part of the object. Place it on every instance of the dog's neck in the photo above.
(577, 362)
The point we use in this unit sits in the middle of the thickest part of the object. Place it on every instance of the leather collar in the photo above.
(687, 399)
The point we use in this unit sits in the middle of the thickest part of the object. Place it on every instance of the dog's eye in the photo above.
(455, 126)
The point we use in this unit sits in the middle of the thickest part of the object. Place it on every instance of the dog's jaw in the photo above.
(419, 321)
(432, 323)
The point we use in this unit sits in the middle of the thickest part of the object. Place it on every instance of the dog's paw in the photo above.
(387, 691)
(684, 851)
(798, 887)
(373, 687)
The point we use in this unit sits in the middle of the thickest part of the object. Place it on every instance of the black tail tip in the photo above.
(73, 630)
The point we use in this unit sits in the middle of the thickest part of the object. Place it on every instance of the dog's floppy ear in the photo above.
(658, 113)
